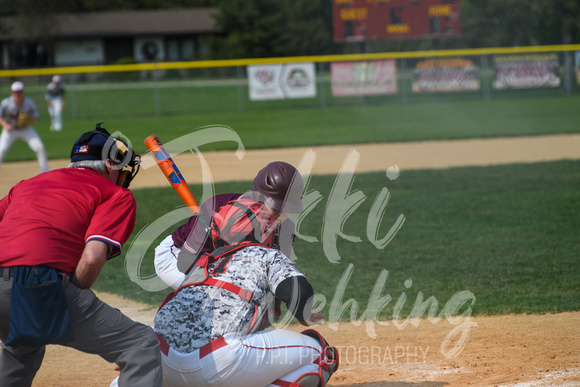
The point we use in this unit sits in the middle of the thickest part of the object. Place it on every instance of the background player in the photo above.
(57, 231)
(17, 114)
(212, 329)
(279, 185)
(55, 101)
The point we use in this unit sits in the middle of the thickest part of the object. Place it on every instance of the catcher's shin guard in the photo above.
(327, 363)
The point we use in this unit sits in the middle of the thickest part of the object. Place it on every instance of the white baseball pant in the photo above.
(28, 135)
(55, 112)
(257, 359)
(166, 263)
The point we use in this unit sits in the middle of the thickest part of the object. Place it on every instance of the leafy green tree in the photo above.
(558, 21)
(308, 27)
(250, 29)
(271, 28)
(500, 23)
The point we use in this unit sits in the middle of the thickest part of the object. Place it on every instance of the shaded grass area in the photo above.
(508, 235)
(310, 126)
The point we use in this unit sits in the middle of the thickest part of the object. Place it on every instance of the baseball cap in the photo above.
(56, 78)
(17, 86)
(98, 144)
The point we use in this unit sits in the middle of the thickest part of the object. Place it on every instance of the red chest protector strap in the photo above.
(243, 293)
(198, 275)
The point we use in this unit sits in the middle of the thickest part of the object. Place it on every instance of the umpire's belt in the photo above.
(203, 351)
(8, 272)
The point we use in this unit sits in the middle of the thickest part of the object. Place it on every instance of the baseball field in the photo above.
(441, 239)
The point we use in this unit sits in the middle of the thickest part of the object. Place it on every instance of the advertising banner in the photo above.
(281, 81)
(441, 75)
(526, 71)
(363, 78)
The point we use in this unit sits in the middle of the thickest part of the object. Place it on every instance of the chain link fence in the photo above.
(183, 88)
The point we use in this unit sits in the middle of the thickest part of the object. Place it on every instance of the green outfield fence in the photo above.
(171, 88)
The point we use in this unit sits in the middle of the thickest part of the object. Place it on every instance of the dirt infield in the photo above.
(514, 350)
(225, 166)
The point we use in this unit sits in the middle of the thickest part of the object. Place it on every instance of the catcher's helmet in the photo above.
(279, 185)
(241, 221)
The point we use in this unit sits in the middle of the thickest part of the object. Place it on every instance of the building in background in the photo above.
(106, 38)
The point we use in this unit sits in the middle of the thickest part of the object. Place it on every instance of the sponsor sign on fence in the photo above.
(526, 71)
(363, 78)
(454, 74)
(281, 81)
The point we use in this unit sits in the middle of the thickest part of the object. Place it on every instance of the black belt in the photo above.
(9, 271)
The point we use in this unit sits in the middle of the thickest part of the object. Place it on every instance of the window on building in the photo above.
(181, 49)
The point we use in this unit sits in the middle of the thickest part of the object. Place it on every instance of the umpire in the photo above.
(57, 230)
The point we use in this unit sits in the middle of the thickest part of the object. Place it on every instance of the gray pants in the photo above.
(98, 329)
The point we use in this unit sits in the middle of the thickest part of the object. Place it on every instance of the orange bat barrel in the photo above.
(171, 172)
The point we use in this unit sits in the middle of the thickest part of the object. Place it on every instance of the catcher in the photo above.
(279, 185)
(212, 329)
(17, 114)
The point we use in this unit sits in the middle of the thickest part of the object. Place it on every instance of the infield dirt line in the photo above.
(225, 166)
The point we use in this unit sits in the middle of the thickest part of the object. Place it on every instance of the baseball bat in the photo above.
(171, 172)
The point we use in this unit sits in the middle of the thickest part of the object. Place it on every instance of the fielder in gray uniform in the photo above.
(17, 115)
(55, 101)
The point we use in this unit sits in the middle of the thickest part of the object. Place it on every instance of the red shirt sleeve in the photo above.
(3, 205)
(113, 221)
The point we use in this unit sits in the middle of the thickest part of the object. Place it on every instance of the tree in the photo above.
(271, 28)
(558, 21)
(249, 29)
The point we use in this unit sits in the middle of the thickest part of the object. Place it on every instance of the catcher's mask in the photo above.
(243, 221)
(98, 144)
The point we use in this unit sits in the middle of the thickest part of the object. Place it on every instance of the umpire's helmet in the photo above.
(98, 144)
(279, 185)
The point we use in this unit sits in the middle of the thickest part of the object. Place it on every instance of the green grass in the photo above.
(508, 234)
(438, 119)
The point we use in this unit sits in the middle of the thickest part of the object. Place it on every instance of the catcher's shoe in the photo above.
(327, 362)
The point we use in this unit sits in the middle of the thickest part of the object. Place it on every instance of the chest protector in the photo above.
(264, 315)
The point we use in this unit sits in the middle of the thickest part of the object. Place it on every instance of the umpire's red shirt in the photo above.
(48, 219)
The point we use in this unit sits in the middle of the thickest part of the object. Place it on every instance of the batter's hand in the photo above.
(316, 318)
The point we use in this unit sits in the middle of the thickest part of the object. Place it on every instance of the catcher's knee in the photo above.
(327, 363)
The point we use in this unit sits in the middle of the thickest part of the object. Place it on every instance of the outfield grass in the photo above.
(507, 234)
(310, 126)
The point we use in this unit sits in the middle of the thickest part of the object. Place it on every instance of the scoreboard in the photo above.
(361, 20)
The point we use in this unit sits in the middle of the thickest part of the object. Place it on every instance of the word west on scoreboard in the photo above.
(361, 20)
